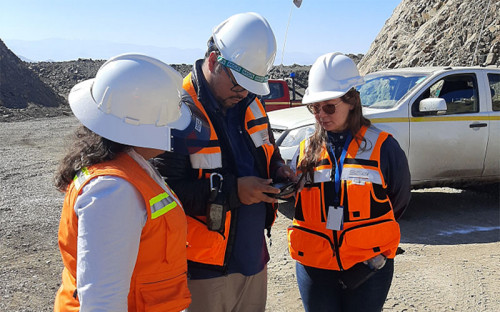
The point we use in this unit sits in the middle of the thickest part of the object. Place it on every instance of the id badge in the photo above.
(335, 218)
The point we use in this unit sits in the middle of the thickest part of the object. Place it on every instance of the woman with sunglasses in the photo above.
(356, 183)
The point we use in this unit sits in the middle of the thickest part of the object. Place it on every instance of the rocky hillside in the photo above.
(437, 32)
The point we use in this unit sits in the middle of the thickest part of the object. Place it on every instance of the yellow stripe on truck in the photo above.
(433, 119)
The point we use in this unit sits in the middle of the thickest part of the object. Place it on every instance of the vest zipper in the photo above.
(360, 226)
(336, 246)
(231, 238)
(338, 242)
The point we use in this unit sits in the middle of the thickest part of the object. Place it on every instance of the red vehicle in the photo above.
(279, 95)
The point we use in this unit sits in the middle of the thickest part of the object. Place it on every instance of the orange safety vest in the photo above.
(205, 246)
(369, 227)
(159, 279)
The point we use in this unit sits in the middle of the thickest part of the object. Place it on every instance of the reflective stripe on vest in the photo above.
(373, 139)
(160, 204)
(80, 177)
(256, 124)
(209, 247)
(369, 226)
(160, 265)
(323, 172)
(208, 157)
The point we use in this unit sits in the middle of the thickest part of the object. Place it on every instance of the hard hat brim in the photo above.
(322, 96)
(117, 129)
(315, 96)
(259, 88)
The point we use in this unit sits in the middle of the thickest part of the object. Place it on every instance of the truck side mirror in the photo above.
(433, 105)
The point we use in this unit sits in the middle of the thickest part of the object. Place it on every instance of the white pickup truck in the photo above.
(446, 119)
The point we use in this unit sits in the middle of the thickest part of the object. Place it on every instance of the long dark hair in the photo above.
(355, 120)
(87, 149)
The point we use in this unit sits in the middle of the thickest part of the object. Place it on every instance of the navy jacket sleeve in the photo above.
(176, 170)
(193, 192)
(394, 166)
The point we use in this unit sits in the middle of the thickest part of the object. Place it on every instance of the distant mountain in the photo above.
(65, 50)
(24, 59)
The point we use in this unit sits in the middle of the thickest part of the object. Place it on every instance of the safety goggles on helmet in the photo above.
(329, 109)
(236, 87)
(235, 68)
(247, 42)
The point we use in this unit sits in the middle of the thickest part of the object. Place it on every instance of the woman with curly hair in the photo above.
(122, 233)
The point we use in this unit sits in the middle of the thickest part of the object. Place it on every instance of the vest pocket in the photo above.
(311, 248)
(170, 294)
(203, 245)
(363, 242)
(311, 205)
(358, 195)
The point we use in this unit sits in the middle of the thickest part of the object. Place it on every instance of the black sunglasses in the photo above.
(236, 87)
(315, 108)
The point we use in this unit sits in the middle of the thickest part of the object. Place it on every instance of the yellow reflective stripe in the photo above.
(433, 118)
(80, 177)
(161, 204)
(276, 103)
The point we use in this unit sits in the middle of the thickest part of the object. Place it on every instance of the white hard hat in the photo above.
(330, 77)
(248, 47)
(134, 100)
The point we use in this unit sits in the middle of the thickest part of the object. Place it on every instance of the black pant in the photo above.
(321, 291)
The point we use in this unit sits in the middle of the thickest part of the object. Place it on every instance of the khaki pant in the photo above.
(231, 293)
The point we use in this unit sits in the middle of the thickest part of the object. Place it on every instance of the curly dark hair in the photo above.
(355, 120)
(87, 149)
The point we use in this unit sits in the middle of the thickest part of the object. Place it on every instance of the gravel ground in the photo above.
(451, 237)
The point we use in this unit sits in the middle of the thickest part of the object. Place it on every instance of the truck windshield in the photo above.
(275, 91)
(384, 91)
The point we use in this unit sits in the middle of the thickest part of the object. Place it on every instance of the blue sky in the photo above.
(177, 31)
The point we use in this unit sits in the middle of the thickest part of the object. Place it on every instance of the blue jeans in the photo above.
(321, 291)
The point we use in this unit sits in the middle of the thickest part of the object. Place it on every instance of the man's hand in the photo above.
(251, 190)
(285, 173)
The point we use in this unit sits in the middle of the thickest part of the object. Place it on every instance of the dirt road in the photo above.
(451, 237)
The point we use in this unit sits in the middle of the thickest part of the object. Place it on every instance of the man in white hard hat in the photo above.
(118, 210)
(225, 184)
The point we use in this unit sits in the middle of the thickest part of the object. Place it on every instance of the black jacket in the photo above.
(183, 179)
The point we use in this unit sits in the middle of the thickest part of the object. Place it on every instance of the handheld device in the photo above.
(286, 188)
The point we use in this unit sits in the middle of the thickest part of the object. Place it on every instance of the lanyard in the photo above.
(339, 164)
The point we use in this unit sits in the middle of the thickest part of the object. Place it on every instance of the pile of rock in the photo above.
(22, 93)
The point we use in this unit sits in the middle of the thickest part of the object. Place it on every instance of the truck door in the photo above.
(492, 160)
(449, 145)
